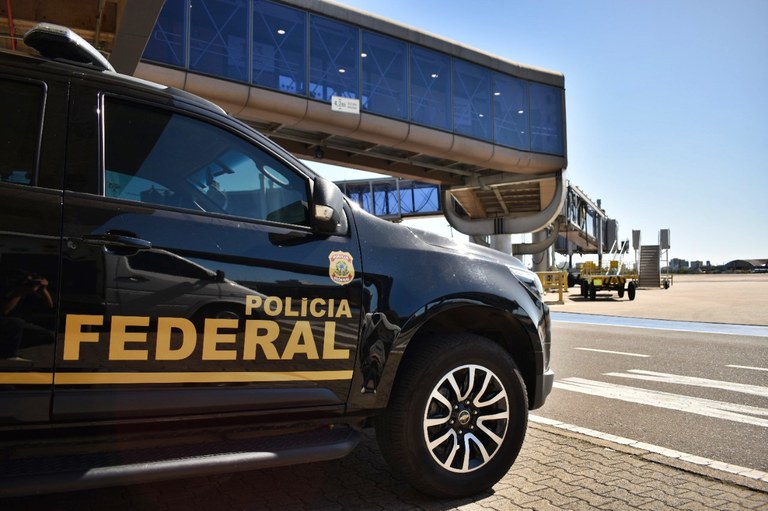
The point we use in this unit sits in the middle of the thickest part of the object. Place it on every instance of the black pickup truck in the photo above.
(180, 296)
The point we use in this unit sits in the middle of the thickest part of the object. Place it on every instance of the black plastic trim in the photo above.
(67, 472)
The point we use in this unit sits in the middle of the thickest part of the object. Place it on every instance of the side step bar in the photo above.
(67, 472)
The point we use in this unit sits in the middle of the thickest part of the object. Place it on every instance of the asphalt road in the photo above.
(700, 393)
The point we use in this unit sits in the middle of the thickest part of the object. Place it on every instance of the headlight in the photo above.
(530, 279)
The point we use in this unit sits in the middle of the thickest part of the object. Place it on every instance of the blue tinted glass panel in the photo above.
(384, 76)
(419, 198)
(430, 88)
(279, 48)
(334, 57)
(360, 194)
(510, 112)
(385, 199)
(546, 119)
(471, 100)
(167, 42)
(218, 42)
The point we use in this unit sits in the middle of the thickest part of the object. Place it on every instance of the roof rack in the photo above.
(57, 42)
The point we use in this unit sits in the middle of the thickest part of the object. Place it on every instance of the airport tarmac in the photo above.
(740, 299)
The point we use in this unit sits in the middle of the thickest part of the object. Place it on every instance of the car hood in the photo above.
(466, 249)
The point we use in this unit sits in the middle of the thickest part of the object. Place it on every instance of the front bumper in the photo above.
(544, 387)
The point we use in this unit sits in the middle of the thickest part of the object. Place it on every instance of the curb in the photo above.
(711, 469)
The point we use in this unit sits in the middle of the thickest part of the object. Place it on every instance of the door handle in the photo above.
(121, 240)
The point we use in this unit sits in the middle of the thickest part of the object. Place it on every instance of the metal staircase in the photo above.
(650, 266)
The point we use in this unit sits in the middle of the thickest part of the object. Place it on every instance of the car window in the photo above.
(161, 157)
(22, 107)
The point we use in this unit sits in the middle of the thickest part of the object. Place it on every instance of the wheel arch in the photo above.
(500, 326)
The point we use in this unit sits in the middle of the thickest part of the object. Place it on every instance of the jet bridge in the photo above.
(338, 85)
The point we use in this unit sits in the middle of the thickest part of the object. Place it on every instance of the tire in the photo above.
(620, 291)
(475, 427)
(592, 292)
(584, 288)
(631, 291)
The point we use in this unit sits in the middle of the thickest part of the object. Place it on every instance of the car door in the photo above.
(30, 238)
(206, 290)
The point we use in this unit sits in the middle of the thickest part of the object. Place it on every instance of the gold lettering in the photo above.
(289, 312)
(252, 302)
(302, 331)
(273, 306)
(343, 310)
(313, 307)
(330, 351)
(165, 326)
(119, 336)
(74, 335)
(212, 338)
(266, 341)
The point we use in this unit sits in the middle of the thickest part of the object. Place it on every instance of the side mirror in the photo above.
(327, 213)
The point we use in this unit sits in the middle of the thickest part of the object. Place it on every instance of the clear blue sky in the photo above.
(666, 105)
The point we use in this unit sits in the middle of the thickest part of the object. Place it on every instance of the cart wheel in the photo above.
(584, 288)
(621, 291)
(666, 284)
(631, 291)
(592, 292)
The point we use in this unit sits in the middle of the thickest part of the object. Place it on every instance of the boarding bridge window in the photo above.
(472, 114)
(384, 66)
(22, 108)
(430, 88)
(510, 108)
(168, 41)
(546, 119)
(218, 38)
(334, 60)
(163, 158)
(279, 48)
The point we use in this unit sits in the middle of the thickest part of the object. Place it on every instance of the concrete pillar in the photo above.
(502, 243)
(541, 261)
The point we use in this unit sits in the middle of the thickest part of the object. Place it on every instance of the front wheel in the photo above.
(457, 416)
(631, 290)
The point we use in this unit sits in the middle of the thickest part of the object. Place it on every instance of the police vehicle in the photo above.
(180, 296)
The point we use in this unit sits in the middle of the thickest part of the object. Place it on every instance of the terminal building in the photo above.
(344, 87)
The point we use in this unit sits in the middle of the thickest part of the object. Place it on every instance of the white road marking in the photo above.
(639, 374)
(663, 451)
(748, 367)
(614, 352)
(660, 324)
(706, 407)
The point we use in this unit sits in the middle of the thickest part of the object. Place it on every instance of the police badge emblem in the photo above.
(341, 269)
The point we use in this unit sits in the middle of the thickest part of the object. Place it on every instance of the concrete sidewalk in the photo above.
(561, 470)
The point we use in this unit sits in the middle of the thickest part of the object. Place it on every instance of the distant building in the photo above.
(746, 265)
(678, 264)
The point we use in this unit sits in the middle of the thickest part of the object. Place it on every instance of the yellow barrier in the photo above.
(554, 281)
